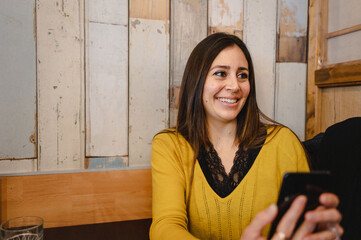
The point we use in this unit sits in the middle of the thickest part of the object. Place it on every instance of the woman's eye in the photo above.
(242, 75)
(220, 74)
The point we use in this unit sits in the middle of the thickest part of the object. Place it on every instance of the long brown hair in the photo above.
(191, 121)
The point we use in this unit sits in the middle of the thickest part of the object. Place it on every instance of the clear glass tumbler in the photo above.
(22, 228)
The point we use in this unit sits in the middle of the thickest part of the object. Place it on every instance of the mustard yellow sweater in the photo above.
(212, 217)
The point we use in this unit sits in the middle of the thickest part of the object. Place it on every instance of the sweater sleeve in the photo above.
(169, 190)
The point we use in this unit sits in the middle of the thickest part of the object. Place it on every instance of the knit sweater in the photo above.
(210, 216)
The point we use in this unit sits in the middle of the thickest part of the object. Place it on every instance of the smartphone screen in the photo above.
(310, 184)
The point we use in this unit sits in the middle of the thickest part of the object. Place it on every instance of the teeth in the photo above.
(226, 100)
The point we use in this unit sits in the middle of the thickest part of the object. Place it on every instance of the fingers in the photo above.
(329, 200)
(289, 220)
(254, 230)
(327, 234)
(322, 215)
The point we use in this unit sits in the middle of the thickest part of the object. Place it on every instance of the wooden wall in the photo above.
(103, 76)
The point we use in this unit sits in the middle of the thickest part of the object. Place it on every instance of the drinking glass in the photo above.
(22, 228)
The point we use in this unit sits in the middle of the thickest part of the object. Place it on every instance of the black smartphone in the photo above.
(310, 184)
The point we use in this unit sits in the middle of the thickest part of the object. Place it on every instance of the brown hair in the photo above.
(191, 122)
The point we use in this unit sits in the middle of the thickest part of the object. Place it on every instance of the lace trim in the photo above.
(221, 182)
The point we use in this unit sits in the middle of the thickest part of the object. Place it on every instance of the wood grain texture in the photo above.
(18, 80)
(78, 198)
(338, 104)
(314, 62)
(226, 16)
(150, 9)
(259, 34)
(290, 108)
(341, 74)
(185, 35)
(292, 31)
(107, 79)
(148, 86)
(60, 81)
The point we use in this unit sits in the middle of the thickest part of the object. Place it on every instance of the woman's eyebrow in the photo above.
(228, 67)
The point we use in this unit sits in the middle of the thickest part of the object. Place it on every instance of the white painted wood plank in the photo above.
(107, 90)
(344, 48)
(226, 16)
(185, 35)
(18, 166)
(60, 79)
(343, 14)
(259, 34)
(18, 80)
(108, 11)
(148, 86)
(189, 27)
(290, 108)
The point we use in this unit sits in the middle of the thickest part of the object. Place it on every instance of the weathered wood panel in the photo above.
(317, 19)
(150, 9)
(148, 86)
(292, 31)
(18, 81)
(338, 104)
(107, 79)
(78, 198)
(343, 14)
(290, 108)
(18, 166)
(60, 79)
(259, 34)
(185, 35)
(344, 48)
(226, 16)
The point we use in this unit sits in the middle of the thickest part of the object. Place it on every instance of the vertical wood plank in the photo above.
(290, 107)
(226, 16)
(148, 83)
(107, 79)
(259, 34)
(338, 104)
(18, 81)
(292, 31)
(315, 61)
(60, 79)
(184, 37)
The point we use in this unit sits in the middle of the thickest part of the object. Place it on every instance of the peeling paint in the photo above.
(107, 162)
(193, 4)
(134, 23)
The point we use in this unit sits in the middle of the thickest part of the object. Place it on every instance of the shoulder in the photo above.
(280, 134)
(170, 137)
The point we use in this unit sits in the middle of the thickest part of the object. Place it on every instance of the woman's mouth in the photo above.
(228, 100)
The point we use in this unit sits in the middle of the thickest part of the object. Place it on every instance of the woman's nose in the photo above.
(232, 84)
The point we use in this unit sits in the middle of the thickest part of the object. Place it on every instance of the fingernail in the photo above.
(272, 208)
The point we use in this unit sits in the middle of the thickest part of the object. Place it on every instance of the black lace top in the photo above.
(221, 182)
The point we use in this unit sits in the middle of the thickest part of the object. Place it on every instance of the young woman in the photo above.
(223, 163)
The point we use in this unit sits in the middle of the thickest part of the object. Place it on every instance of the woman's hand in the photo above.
(325, 218)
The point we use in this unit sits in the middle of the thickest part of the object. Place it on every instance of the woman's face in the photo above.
(226, 87)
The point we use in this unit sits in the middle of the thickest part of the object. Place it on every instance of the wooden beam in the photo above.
(341, 74)
(343, 31)
(316, 58)
(69, 199)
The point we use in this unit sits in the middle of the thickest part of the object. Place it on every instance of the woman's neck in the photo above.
(222, 133)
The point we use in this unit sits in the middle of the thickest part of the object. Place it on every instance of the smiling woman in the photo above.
(223, 163)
